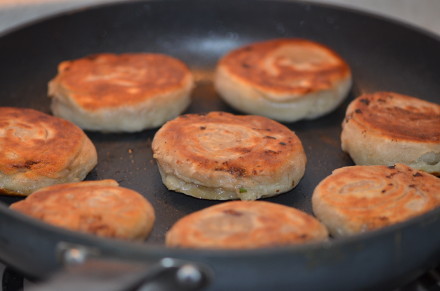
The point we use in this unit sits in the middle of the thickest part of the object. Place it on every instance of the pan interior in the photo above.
(383, 56)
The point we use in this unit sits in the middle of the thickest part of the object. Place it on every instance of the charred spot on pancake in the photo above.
(391, 175)
(270, 137)
(202, 127)
(27, 165)
(261, 129)
(232, 212)
(392, 167)
(243, 150)
(271, 152)
(237, 171)
(358, 111)
(282, 143)
(233, 170)
(365, 101)
(303, 236)
(92, 57)
(417, 175)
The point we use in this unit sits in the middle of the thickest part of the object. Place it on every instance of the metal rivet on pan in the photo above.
(75, 256)
(167, 262)
(189, 275)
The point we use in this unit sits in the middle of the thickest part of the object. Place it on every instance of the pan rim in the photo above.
(154, 249)
(333, 241)
(340, 242)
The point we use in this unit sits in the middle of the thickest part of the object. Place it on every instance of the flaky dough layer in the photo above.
(224, 156)
(96, 207)
(385, 128)
(357, 199)
(38, 150)
(245, 225)
(284, 79)
(127, 92)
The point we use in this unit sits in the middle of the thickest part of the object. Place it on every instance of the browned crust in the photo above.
(97, 207)
(35, 144)
(245, 225)
(360, 198)
(109, 80)
(239, 146)
(251, 65)
(396, 116)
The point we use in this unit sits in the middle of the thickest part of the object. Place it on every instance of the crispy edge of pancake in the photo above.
(245, 225)
(254, 173)
(393, 139)
(68, 157)
(369, 196)
(309, 106)
(256, 97)
(83, 207)
(150, 110)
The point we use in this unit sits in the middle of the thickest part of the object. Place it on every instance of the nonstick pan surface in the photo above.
(384, 56)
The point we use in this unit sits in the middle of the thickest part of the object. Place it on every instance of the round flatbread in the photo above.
(357, 199)
(245, 225)
(96, 207)
(385, 128)
(38, 150)
(284, 79)
(117, 93)
(224, 156)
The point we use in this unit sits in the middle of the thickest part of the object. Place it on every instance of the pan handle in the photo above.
(86, 271)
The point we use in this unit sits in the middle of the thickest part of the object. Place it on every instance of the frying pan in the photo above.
(383, 55)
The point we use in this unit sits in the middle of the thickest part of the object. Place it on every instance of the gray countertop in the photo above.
(422, 13)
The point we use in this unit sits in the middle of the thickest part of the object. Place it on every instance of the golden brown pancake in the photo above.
(245, 225)
(126, 92)
(97, 207)
(224, 156)
(385, 128)
(284, 79)
(38, 150)
(361, 198)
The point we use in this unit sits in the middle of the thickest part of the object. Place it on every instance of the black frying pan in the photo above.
(383, 55)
